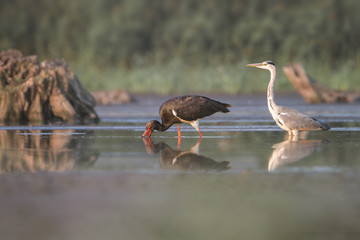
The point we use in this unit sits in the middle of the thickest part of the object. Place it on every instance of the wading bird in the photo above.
(286, 118)
(185, 109)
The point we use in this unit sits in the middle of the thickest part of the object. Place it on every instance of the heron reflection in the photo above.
(291, 150)
(183, 160)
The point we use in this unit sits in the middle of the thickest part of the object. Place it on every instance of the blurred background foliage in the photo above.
(177, 46)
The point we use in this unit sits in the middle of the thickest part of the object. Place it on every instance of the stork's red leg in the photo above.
(179, 133)
(179, 137)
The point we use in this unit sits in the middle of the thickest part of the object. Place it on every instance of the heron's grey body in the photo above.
(294, 121)
(287, 118)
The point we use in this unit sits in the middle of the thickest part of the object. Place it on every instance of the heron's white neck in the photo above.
(270, 90)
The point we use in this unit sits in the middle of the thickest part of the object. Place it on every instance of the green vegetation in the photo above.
(177, 46)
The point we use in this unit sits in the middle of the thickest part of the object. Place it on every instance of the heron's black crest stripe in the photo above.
(270, 62)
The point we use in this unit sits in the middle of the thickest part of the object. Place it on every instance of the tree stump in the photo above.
(48, 92)
(314, 92)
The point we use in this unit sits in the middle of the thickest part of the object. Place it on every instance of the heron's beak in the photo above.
(254, 64)
(147, 132)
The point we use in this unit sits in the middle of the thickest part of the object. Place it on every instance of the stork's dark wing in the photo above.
(191, 108)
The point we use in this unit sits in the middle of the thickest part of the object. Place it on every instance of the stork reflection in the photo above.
(183, 160)
(292, 150)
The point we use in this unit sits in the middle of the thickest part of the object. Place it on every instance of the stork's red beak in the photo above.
(147, 132)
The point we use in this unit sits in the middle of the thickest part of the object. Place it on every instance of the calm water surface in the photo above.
(244, 179)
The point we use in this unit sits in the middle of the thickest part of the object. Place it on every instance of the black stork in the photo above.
(185, 109)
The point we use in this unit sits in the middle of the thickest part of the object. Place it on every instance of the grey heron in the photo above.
(287, 118)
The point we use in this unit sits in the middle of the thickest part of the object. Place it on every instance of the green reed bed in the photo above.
(179, 78)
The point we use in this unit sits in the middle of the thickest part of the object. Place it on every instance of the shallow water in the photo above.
(244, 179)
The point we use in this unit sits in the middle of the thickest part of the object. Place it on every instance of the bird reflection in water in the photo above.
(292, 150)
(183, 160)
(40, 150)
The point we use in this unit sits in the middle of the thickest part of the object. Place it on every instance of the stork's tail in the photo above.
(224, 109)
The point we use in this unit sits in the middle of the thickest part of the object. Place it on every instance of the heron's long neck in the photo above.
(270, 90)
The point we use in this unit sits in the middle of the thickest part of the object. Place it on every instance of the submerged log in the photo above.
(314, 92)
(48, 92)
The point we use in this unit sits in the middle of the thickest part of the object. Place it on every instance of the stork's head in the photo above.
(150, 126)
(264, 65)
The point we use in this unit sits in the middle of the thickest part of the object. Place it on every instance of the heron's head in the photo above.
(149, 128)
(264, 65)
